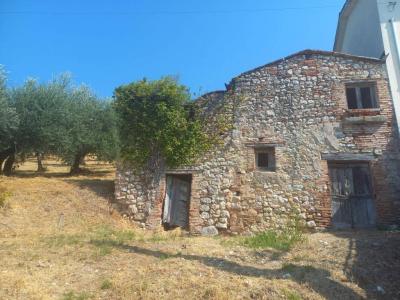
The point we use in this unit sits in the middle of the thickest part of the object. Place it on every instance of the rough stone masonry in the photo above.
(296, 111)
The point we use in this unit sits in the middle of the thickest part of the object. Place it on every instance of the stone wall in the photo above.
(298, 106)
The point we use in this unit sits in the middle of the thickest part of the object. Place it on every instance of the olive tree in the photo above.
(41, 109)
(92, 129)
(60, 119)
(8, 123)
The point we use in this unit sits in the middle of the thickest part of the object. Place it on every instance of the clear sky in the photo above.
(203, 42)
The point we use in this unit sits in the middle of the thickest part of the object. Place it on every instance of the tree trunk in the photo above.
(3, 157)
(75, 165)
(40, 168)
(8, 165)
(1, 165)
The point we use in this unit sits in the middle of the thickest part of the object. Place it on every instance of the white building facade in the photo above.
(372, 28)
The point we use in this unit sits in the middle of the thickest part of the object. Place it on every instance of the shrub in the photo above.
(158, 123)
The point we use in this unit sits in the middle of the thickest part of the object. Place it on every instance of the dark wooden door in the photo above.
(352, 197)
(176, 203)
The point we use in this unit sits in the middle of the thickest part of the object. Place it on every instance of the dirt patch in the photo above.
(63, 242)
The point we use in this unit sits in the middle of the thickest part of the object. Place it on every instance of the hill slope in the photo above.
(59, 240)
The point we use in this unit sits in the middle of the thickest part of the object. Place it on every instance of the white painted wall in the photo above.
(362, 34)
(369, 32)
(391, 42)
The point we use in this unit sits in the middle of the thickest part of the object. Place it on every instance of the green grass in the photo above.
(104, 238)
(73, 296)
(165, 256)
(291, 295)
(157, 237)
(106, 284)
(62, 240)
(284, 240)
(4, 195)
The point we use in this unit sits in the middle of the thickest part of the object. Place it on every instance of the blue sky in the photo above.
(205, 43)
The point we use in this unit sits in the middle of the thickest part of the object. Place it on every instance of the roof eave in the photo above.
(315, 52)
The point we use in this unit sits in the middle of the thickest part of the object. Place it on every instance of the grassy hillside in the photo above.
(60, 240)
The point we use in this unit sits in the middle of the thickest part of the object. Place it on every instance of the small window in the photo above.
(361, 96)
(265, 158)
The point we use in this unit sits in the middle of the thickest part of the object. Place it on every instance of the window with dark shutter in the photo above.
(262, 160)
(265, 158)
(361, 96)
(351, 98)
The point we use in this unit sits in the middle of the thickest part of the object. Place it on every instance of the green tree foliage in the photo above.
(55, 118)
(42, 112)
(8, 121)
(158, 123)
(92, 129)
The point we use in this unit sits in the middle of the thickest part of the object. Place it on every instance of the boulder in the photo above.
(209, 231)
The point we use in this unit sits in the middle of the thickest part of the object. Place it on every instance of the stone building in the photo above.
(313, 135)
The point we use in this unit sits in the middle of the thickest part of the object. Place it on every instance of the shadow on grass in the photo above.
(318, 279)
(102, 187)
(373, 261)
(85, 172)
(34, 174)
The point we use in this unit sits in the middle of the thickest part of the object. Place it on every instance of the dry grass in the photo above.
(59, 241)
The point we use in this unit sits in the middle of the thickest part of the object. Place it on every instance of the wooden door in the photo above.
(341, 179)
(176, 203)
(352, 199)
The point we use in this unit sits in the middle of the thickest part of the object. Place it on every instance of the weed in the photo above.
(106, 238)
(157, 238)
(278, 239)
(273, 239)
(4, 195)
(228, 242)
(214, 293)
(169, 235)
(106, 284)
(291, 295)
(164, 256)
(62, 240)
(72, 296)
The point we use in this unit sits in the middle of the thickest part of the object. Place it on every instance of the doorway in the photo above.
(352, 195)
(177, 201)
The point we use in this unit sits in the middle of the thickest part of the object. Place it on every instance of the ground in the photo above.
(60, 240)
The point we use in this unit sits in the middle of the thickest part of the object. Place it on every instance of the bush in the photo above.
(158, 123)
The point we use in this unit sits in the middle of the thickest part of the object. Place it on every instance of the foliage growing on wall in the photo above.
(159, 123)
